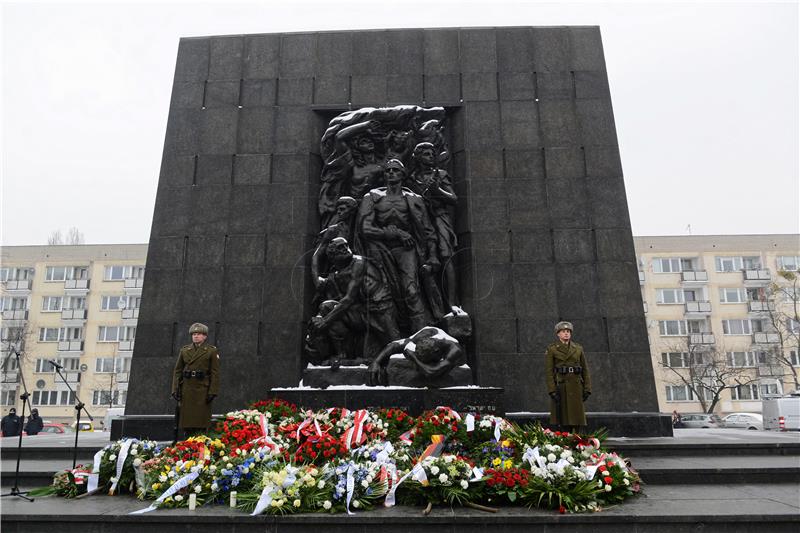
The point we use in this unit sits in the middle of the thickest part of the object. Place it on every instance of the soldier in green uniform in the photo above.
(568, 381)
(195, 381)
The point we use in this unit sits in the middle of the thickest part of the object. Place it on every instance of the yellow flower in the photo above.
(507, 463)
(156, 486)
(506, 443)
(496, 461)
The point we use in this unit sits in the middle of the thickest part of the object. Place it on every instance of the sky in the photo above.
(705, 99)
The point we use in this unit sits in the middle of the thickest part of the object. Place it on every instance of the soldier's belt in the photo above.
(199, 374)
(568, 370)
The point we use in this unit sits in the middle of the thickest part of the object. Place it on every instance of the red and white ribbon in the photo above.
(354, 435)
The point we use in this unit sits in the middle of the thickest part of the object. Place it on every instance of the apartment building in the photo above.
(720, 318)
(76, 305)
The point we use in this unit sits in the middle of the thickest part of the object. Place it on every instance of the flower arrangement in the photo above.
(68, 483)
(281, 460)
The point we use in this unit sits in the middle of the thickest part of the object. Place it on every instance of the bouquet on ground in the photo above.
(68, 483)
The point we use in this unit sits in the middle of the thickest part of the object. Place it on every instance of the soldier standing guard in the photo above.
(195, 381)
(568, 381)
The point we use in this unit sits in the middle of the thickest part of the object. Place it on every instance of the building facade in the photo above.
(721, 317)
(76, 305)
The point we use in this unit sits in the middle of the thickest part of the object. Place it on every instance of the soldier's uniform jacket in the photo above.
(196, 376)
(559, 359)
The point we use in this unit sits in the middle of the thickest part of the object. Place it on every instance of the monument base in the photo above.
(401, 373)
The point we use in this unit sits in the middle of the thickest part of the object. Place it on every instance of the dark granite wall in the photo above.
(542, 219)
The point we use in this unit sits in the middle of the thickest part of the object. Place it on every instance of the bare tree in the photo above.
(706, 370)
(75, 236)
(781, 303)
(55, 238)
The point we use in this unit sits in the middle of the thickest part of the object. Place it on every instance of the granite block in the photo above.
(405, 51)
(628, 334)
(202, 290)
(590, 333)
(488, 206)
(291, 168)
(568, 203)
(334, 54)
(247, 212)
(171, 213)
(154, 340)
(564, 163)
(295, 91)
(297, 52)
(332, 89)
(182, 137)
(478, 50)
(518, 375)
(596, 120)
(239, 341)
(520, 124)
(578, 289)
(591, 84)
(152, 380)
(603, 162)
(251, 169)
(488, 246)
(574, 245)
(479, 86)
(467, 400)
(294, 125)
(282, 208)
(222, 93)
(441, 52)
(165, 252)
(552, 49)
(532, 246)
(609, 206)
(245, 250)
(225, 62)
(494, 294)
(176, 170)
(482, 125)
(370, 49)
(587, 48)
(612, 390)
(368, 90)
(457, 119)
(163, 305)
(280, 340)
(403, 89)
(620, 294)
(515, 51)
(233, 374)
(261, 58)
(559, 123)
(205, 251)
(283, 295)
(192, 62)
(285, 250)
(214, 169)
(524, 164)
(536, 334)
(242, 287)
(527, 204)
(259, 93)
(484, 164)
(218, 130)
(187, 94)
(615, 244)
(516, 86)
(208, 211)
(442, 89)
(534, 290)
(554, 85)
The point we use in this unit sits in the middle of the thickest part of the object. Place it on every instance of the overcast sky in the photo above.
(705, 98)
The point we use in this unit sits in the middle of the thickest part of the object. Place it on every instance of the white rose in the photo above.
(551, 457)
(608, 488)
(296, 503)
(364, 483)
(356, 504)
(178, 498)
(137, 462)
(229, 466)
(442, 478)
(171, 473)
(370, 478)
(321, 485)
(571, 460)
(464, 484)
(245, 470)
(326, 504)
(214, 487)
(434, 470)
(626, 481)
(112, 457)
(133, 452)
(448, 459)
(198, 489)
(162, 478)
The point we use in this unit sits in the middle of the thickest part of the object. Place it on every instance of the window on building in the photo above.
(121, 272)
(761, 325)
(736, 327)
(669, 328)
(698, 325)
(9, 364)
(43, 365)
(8, 397)
(756, 294)
(112, 303)
(16, 273)
(745, 392)
(4, 273)
(674, 264)
(669, 296)
(789, 262)
(74, 302)
(48, 334)
(736, 263)
(769, 389)
(679, 393)
(12, 334)
(675, 359)
(63, 273)
(792, 325)
(794, 358)
(104, 365)
(731, 295)
(116, 333)
(51, 303)
(13, 303)
(45, 397)
(742, 359)
(692, 295)
(105, 397)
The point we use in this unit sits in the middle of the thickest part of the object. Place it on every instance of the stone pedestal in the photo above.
(401, 371)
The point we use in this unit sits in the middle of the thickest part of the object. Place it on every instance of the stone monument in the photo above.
(295, 163)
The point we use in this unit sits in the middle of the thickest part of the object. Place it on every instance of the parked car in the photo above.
(744, 421)
(85, 426)
(701, 420)
(54, 428)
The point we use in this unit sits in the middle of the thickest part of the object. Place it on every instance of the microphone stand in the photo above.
(24, 397)
(79, 406)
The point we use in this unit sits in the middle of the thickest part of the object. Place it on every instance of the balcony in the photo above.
(756, 277)
(76, 286)
(757, 307)
(130, 314)
(766, 338)
(126, 346)
(133, 286)
(70, 346)
(703, 308)
(18, 285)
(10, 377)
(73, 314)
(15, 314)
(122, 377)
(641, 278)
(72, 377)
(701, 338)
(694, 276)
(770, 370)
